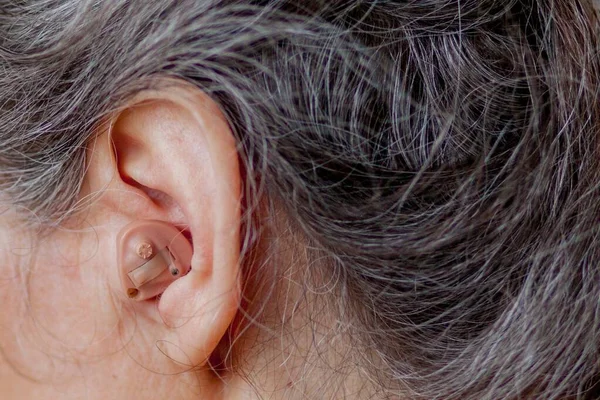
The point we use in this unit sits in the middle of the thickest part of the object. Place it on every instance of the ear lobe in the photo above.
(175, 150)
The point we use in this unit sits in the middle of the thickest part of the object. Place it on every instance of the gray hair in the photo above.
(442, 154)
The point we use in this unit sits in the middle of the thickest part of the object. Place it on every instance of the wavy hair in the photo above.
(442, 156)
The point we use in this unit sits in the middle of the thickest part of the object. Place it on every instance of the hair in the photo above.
(442, 157)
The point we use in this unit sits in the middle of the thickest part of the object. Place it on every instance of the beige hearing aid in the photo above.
(151, 255)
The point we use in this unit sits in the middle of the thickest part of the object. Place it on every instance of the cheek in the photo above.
(65, 313)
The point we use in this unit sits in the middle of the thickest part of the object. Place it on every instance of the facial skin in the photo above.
(71, 339)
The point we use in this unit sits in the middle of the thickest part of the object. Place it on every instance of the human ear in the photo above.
(170, 156)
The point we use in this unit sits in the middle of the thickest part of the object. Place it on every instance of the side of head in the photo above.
(382, 199)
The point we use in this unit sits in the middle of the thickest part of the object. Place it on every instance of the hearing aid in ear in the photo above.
(151, 255)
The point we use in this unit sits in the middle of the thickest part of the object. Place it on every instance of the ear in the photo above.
(171, 156)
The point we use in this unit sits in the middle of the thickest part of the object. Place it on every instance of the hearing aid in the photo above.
(151, 255)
